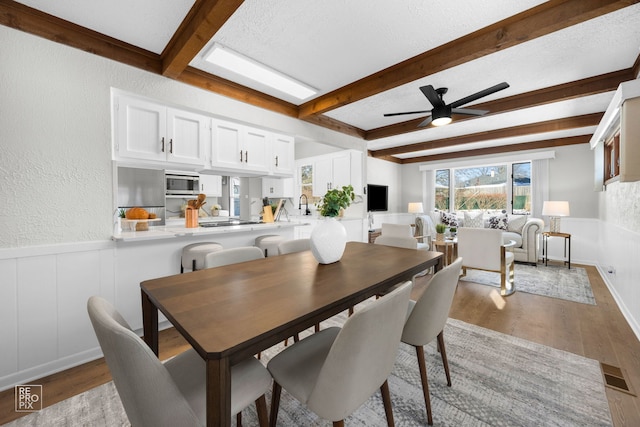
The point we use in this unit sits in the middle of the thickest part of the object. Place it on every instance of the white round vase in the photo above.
(328, 240)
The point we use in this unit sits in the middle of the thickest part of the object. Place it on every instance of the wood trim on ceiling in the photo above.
(541, 20)
(204, 19)
(562, 92)
(535, 145)
(532, 128)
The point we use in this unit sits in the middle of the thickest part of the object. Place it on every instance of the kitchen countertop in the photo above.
(172, 231)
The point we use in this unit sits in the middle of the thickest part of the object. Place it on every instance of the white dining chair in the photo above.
(294, 245)
(173, 393)
(426, 319)
(232, 256)
(334, 371)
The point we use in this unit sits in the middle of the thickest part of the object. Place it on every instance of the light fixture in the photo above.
(415, 207)
(233, 61)
(555, 210)
(441, 116)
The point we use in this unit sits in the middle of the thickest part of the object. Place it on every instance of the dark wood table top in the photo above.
(238, 310)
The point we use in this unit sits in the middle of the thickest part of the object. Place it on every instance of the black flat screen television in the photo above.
(377, 197)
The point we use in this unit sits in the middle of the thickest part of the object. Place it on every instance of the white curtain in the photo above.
(429, 190)
(540, 187)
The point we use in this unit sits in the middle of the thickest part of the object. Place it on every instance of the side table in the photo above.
(567, 246)
(449, 247)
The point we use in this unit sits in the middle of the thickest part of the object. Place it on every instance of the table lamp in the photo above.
(416, 207)
(555, 210)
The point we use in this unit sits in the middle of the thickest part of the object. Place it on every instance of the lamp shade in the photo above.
(555, 208)
(415, 207)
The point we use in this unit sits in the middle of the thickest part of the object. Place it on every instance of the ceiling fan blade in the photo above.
(478, 95)
(469, 111)
(432, 96)
(408, 112)
(425, 122)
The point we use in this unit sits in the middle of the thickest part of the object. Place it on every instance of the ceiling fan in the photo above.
(441, 113)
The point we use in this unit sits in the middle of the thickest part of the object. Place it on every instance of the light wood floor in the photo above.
(599, 332)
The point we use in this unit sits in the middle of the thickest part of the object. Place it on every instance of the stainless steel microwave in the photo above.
(181, 184)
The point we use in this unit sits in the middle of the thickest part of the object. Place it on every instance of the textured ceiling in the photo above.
(333, 43)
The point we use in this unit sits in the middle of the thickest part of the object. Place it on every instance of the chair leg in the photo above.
(239, 419)
(296, 338)
(261, 408)
(338, 423)
(443, 354)
(386, 400)
(425, 385)
(275, 404)
(317, 328)
(193, 266)
(350, 311)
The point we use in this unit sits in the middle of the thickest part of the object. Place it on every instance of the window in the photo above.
(443, 183)
(485, 188)
(612, 158)
(306, 184)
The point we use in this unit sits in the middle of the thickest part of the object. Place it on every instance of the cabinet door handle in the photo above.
(240, 156)
(246, 156)
(171, 146)
(162, 147)
(276, 161)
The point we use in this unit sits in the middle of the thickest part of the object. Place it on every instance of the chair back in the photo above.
(428, 315)
(148, 393)
(424, 226)
(397, 230)
(480, 247)
(400, 242)
(232, 256)
(361, 357)
(295, 245)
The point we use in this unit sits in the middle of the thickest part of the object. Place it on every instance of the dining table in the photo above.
(233, 312)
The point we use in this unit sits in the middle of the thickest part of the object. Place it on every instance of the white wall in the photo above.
(55, 131)
(387, 173)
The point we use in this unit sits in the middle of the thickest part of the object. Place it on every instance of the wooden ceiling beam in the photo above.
(204, 80)
(562, 92)
(204, 19)
(512, 148)
(541, 20)
(23, 18)
(511, 132)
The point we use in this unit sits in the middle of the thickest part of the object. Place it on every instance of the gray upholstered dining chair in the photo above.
(334, 371)
(426, 319)
(172, 393)
(484, 249)
(294, 245)
(232, 256)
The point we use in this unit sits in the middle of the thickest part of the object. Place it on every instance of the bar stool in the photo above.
(269, 244)
(193, 255)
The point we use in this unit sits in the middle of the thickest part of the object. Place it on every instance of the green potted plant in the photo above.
(440, 230)
(329, 238)
(334, 200)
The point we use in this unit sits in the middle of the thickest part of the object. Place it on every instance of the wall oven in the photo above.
(181, 184)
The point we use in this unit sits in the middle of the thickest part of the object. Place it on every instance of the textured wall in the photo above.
(622, 205)
(55, 134)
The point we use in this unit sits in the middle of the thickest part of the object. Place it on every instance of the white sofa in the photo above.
(524, 231)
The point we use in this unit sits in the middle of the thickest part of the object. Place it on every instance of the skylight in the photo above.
(247, 67)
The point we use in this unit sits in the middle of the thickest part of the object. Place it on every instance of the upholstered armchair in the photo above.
(484, 249)
(400, 235)
(527, 247)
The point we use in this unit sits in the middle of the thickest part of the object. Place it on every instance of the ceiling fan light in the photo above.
(441, 121)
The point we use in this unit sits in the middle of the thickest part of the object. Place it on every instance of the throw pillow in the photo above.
(474, 219)
(499, 222)
(450, 219)
(516, 223)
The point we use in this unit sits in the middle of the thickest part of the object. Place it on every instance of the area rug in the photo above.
(552, 281)
(498, 380)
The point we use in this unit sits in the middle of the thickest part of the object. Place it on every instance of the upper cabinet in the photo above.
(282, 158)
(616, 141)
(211, 185)
(336, 170)
(146, 130)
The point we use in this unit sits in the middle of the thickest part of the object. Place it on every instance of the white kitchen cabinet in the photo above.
(238, 147)
(283, 160)
(147, 130)
(337, 170)
(211, 185)
(277, 187)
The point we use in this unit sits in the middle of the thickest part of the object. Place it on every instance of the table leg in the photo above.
(150, 323)
(218, 392)
(565, 246)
